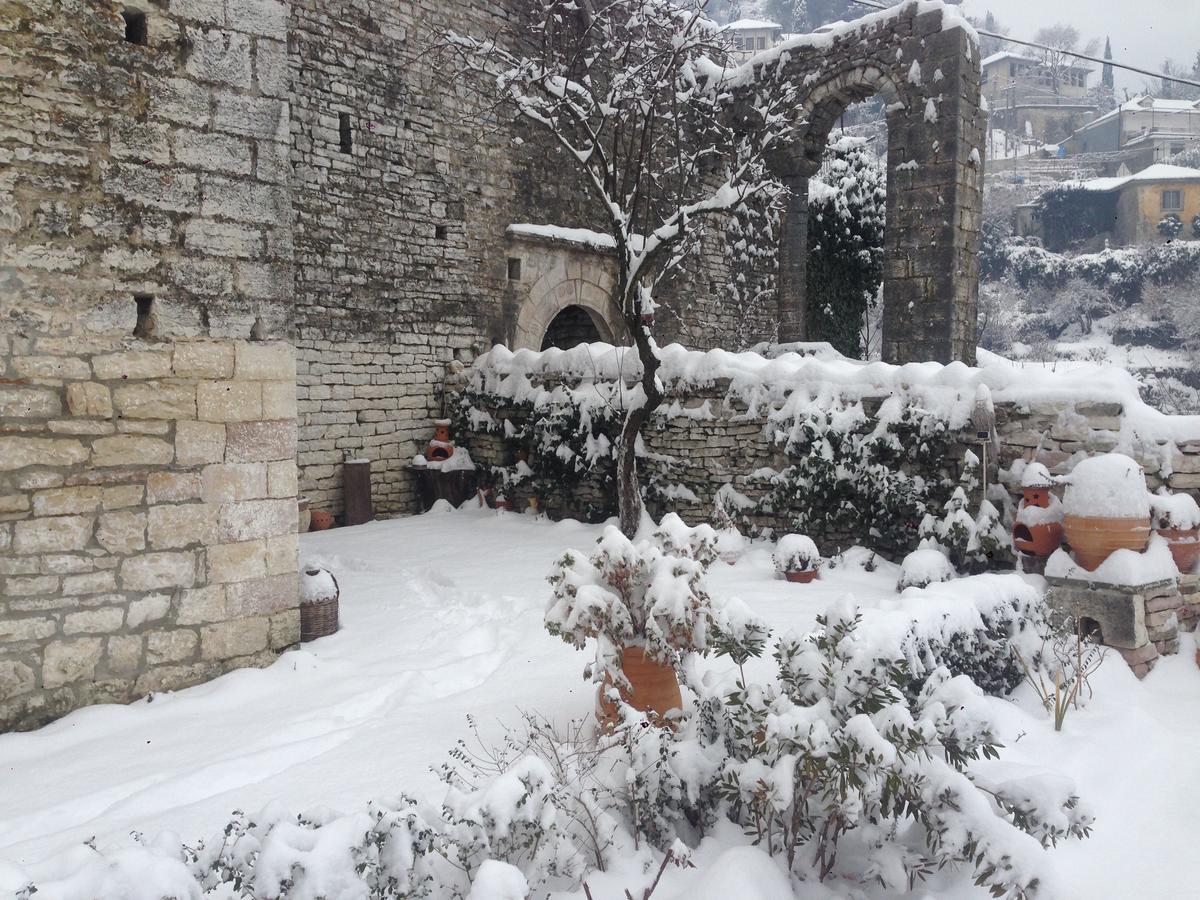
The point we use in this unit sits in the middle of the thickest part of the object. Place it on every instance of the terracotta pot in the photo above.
(504, 503)
(1093, 538)
(441, 430)
(804, 576)
(1038, 540)
(655, 690)
(1185, 546)
(320, 519)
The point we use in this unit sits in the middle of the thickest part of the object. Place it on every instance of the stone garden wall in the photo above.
(706, 438)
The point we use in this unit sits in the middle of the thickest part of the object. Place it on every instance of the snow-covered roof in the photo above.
(752, 25)
(1158, 172)
(1021, 57)
(1142, 103)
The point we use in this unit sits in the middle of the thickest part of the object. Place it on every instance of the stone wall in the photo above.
(147, 476)
(705, 438)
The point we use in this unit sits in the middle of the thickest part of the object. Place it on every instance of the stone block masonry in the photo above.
(148, 530)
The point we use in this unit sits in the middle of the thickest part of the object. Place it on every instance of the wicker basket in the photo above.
(319, 618)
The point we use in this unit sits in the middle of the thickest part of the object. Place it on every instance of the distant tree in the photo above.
(1173, 90)
(988, 44)
(1061, 43)
(1106, 77)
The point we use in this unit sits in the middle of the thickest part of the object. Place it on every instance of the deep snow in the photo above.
(442, 616)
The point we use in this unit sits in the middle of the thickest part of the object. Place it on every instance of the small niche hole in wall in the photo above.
(144, 327)
(345, 137)
(439, 232)
(514, 268)
(135, 26)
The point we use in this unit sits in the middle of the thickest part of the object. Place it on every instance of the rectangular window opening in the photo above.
(345, 137)
(514, 268)
(439, 232)
(1172, 200)
(144, 327)
(135, 26)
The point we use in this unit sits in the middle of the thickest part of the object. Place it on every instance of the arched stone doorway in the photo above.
(573, 326)
(926, 67)
(564, 294)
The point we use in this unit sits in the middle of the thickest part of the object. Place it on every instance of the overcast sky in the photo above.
(1143, 32)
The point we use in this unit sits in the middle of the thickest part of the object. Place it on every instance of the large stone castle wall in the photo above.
(147, 475)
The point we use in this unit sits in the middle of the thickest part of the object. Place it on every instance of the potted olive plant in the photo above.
(645, 605)
(797, 558)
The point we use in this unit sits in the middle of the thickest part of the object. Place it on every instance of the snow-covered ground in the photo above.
(442, 617)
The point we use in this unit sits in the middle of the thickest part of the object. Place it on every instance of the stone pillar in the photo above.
(791, 287)
(934, 207)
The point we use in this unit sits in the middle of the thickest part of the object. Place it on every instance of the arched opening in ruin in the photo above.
(574, 325)
(924, 71)
(1090, 630)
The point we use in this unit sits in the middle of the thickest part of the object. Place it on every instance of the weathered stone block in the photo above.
(148, 609)
(94, 621)
(172, 487)
(89, 583)
(32, 628)
(283, 554)
(262, 596)
(50, 367)
(88, 398)
(66, 662)
(223, 239)
(67, 501)
(19, 452)
(265, 361)
(29, 402)
(174, 526)
(131, 449)
(134, 365)
(52, 534)
(260, 441)
(285, 629)
(154, 571)
(30, 587)
(200, 605)
(279, 400)
(282, 479)
(203, 359)
(244, 561)
(220, 56)
(122, 495)
(199, 442)
(227, 482)
(123, 654)
(229, 401)
(251, 519)
(16, 678)
(123, 531)
(176, 645)
(155, 400)
(239, 637)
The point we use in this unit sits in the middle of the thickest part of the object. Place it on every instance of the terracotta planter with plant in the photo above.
(797, 558)
(645, 606)
(1177, 519)
(1107, 508)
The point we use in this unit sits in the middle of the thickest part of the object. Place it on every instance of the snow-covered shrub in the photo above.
(842, 776)
(795, 553)
(973, 544)
(1059, 673)
(676, 537)
(1110, 485)
(923, 567)
(1174, 510)
(628, 592)
(1170, 227)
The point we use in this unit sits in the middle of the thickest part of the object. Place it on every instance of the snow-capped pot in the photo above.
(731, 544)
(797, 558)
(1038, 529)
(319, 596)
(923, 567)
(1106, 508)
(1177, 519)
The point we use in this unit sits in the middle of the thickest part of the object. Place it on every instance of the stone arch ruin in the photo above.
(924, 61)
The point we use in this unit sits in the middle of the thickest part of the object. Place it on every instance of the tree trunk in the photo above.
(629, 493)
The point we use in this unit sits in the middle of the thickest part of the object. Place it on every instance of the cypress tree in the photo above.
(1107, 74)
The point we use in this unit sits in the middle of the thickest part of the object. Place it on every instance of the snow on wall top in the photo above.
(744, 74)
(748, 24)
(585, 237)
(949, 389)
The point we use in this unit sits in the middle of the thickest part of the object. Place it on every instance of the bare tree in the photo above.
(658, 132)
(1061, 42)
